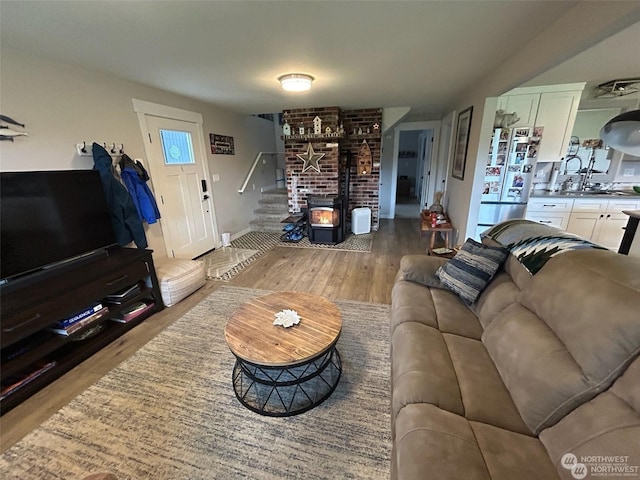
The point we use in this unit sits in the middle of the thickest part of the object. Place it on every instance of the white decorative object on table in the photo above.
(287, 318)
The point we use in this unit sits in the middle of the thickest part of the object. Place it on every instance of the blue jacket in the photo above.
(141, 194)
(124, 216)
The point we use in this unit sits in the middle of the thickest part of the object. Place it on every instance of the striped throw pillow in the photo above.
(469, 272)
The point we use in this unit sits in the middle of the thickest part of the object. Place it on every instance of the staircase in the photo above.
(273, 207)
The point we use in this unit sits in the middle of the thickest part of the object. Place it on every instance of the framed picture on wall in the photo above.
(461, 143)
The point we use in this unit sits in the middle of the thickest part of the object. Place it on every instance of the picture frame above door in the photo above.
(461, 143)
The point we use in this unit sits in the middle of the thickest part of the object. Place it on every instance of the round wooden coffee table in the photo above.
(284, 371)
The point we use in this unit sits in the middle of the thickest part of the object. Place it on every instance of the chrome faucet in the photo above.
(589, 173)
(566, 164)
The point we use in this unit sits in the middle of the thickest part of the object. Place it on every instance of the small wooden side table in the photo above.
(445, 228)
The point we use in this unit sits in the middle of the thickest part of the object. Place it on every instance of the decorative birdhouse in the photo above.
(286, 129)
(327, 131)
(317, 125)
(376, 127)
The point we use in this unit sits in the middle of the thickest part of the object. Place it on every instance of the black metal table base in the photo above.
(286, 391)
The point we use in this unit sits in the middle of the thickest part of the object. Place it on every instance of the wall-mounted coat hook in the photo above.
(87, 151)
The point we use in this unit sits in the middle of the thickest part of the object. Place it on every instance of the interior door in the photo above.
(180, 181)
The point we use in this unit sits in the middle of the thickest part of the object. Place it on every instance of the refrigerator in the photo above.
(508, 174)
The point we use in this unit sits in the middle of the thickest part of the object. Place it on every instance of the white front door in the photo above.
(178, 170)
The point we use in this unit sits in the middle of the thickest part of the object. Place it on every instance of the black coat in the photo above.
(124, 215)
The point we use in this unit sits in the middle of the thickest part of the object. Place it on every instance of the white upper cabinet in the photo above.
(526, 106)
(552, 107)
(557, 114)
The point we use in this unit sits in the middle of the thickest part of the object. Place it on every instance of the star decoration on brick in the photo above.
(310, 159)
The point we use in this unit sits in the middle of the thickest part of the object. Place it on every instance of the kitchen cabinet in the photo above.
(557, 114)
(554, 212)
(606, 229)
(526, 106)
(584, 224)
(553, 108)
(601, 221)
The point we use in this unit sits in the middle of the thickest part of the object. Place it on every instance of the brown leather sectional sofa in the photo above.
(538, 379)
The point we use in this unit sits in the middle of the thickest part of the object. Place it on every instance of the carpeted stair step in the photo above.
(273, 207)
(275, 192)
(260, 225)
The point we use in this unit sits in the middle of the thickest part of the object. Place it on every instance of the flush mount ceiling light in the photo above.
(296, 82)
(623, 133)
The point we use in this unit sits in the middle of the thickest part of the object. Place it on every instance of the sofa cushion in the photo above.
(484, 396)
(537, 369)
(433, 443)
(422, 269)
(441, 309)
(498, 295)
(608, 425)
(510, 455)
(422, 371)
(412, 302)
(556, 352)
(471, 269)
(603, 336)
(453, 316)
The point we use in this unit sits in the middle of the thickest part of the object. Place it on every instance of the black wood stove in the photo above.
(326, 219)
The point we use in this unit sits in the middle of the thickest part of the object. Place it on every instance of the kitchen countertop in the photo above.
(613, 194)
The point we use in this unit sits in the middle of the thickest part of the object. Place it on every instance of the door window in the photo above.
(177, 147)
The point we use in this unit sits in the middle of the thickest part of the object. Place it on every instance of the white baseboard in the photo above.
(240, 233)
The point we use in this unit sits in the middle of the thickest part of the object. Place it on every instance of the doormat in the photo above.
(219, 262)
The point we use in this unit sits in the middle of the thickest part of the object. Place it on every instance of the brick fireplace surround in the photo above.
(363, 189)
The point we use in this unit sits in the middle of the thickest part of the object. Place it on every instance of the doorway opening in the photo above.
(176, 152)
(414, 158)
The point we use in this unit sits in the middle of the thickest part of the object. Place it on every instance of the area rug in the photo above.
(169, 412)
(352, 243)
(219, 262)
(265, 241)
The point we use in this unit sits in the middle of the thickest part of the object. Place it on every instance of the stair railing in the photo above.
(259, 157)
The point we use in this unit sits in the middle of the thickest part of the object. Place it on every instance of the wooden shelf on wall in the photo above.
(311, 136)
(324, 137)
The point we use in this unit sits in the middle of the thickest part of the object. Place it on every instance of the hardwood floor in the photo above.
(365, 277)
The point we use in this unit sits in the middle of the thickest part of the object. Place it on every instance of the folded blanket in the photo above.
(533, 244)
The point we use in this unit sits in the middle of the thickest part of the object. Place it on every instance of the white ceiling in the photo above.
(422, 54)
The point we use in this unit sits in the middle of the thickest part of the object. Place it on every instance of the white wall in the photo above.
(63, 105)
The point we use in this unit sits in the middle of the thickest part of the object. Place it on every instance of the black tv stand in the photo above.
(32, 303)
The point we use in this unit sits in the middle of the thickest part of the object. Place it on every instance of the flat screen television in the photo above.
(48, 217)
